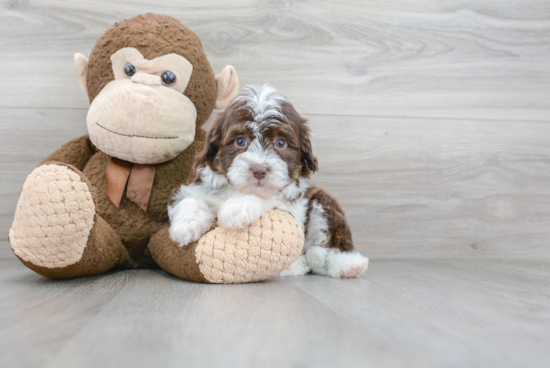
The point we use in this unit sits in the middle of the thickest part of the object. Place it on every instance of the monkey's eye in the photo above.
(240, 142)
(280, 144)
(129, 70)
(168, 78)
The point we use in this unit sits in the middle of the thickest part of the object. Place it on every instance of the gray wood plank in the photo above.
(452, 59)
(411, 188)
(400, 314)
(468, 314)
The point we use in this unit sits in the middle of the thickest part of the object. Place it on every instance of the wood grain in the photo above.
(411, 188)
(430, 118)
(400, 314)
(453, 59)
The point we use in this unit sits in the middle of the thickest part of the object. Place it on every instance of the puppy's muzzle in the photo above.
(259, 171)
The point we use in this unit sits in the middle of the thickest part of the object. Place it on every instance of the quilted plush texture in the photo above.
(103, 251)
(264, 249)
(180, 262)
(53, 218)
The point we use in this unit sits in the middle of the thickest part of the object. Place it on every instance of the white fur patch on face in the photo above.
(263, 102)
(241, 176)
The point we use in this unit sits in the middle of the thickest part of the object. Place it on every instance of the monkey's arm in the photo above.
(76, 153)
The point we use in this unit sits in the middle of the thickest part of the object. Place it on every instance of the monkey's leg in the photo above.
(256, 253)
(180, 262)
(56, 231)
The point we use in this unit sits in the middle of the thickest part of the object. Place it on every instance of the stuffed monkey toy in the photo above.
(100, 201)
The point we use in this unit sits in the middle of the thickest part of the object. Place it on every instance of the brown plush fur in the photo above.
(173, 259)
(136, 227)
(76, 152)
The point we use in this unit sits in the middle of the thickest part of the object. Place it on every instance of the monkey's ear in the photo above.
(228, 86)
(81, 67)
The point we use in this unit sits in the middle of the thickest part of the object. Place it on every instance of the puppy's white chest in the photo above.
(298, 209)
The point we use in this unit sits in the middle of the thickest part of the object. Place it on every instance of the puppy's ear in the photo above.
(213, 140)
(309, 162)
(211, 147)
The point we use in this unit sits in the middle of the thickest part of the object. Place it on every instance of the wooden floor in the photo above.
(403, 314)
(431, 122)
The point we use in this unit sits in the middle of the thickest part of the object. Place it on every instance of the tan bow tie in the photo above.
(139, 184)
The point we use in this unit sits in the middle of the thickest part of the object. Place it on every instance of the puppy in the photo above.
(258, 156)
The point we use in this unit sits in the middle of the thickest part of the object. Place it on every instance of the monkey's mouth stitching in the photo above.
(133, 135)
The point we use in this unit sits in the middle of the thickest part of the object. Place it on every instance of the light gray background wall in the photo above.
(431, 119)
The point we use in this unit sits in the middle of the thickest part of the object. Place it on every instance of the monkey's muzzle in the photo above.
(139, 123)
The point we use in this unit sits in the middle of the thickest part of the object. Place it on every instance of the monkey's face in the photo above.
(142, 116)
(151, 86)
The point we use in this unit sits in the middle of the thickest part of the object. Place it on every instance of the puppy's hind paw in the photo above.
(346, 265)
(298, 268)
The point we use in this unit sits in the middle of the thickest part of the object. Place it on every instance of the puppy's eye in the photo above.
(168, 78)
(129, 70)
(240, 142)
(280, 144)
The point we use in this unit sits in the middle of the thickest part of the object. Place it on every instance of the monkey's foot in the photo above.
(56, 231)
(54, 217)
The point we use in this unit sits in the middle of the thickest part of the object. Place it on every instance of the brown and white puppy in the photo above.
(258, 156)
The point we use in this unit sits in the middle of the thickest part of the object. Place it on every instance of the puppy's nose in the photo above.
(146, 78)
(259, 171)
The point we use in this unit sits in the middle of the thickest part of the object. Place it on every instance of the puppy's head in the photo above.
(260, 143)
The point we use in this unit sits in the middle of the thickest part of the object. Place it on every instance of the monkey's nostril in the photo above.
(259, 171)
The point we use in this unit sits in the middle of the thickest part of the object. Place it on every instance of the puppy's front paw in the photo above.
(344, 265)
(185, 233)
(189, 220)
(238, 213)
